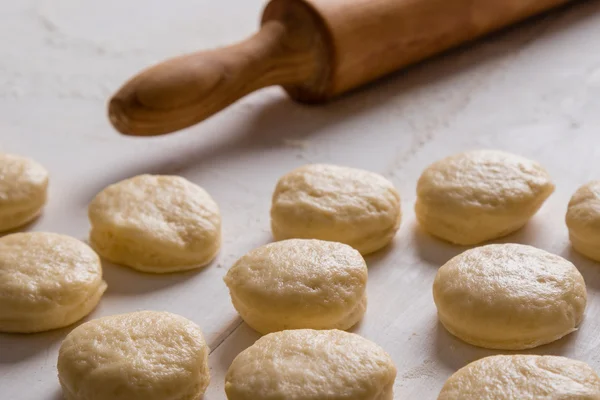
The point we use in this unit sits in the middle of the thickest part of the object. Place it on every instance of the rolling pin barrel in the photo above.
(315, 49)
(369, 39)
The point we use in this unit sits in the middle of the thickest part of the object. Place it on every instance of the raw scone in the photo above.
(299, 283)
(156, 223)
(47, 281)
(480, 195)
(144, 355)
(583, 220)
(23, 187)
(310, 364)
(509, 296)
(523, 377)
(339, 204)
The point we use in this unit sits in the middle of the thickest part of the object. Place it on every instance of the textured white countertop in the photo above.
(533, 90)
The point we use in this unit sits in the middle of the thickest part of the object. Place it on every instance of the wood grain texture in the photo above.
(185, 90)
(372, 38)
(315, 49)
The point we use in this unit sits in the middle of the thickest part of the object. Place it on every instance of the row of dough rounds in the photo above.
(305, 289)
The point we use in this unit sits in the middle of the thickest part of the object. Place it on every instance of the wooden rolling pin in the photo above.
(315, 49)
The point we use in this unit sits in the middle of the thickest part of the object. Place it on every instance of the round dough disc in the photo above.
(523, 377)
(583, 220)
(23, 187)
(309, 364)
(47, 281)
(339, 204)
(156, 223)
(509, 296)
(145, 355)
(480, 195)
(299, 283)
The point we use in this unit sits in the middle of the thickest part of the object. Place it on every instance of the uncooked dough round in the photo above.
(156, 223)
(339, 204)
(299, 283)
(583, 220)
(480, 195)
(47, 281)
(307, 364)
(509, 296)
(144, 355)
(23, 187)
(523, 377)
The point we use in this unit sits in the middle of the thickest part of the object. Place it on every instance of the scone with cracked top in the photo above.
(47, 281)
(509, 296)
(23, 190)
(156, 223)
(299, 283)
(583, 220)
(339, 204)
(523, 377)
(144, 355)
(480, 195)
(307, 364)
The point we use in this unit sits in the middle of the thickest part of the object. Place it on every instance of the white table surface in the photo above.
(533, 90)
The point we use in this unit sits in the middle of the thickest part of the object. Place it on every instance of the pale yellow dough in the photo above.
(339, 204)
(523, 377)
(143, 355)
(309, 364)
(47, 281)
(23, 190)
(480, 195)
(583, 220)
(299, 283)
(156, 223)
(509, 296)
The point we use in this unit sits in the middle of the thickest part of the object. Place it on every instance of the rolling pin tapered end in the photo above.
(178, 93)
(185, 90)
(118, 118)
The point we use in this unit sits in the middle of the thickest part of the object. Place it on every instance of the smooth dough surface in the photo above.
(339, 204)
(23, 190)
(144, 355)
(307, 364)
(523, 377)
(509, 296)
(480, 195)
(299, 283)
(47, 281)
(583, 220)
(156, 223)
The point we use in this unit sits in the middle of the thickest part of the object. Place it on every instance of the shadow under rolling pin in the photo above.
(315, 49)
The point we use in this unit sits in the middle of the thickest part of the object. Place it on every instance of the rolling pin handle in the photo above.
(183, 91)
